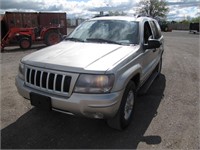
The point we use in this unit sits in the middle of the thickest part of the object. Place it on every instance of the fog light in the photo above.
(98, 116)
(94, 115)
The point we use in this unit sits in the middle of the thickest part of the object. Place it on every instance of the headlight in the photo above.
(94, 83)
(21, 70)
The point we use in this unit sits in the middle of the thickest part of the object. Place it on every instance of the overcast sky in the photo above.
(179, 9)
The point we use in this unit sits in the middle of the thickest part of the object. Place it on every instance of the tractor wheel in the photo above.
(25, 43)
(52, 37)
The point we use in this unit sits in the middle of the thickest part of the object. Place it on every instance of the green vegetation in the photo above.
(193, 20)
(197, 19)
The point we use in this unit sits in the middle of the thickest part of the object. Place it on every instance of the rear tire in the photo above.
(25, 43)
(125, 113)
(159, 66)
(52, 37)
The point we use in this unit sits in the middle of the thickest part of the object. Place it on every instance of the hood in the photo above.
(77, 56)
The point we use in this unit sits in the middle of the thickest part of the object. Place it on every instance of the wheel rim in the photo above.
(129, 105)
(25, 43)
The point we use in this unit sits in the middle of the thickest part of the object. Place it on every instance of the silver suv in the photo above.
(96, 71)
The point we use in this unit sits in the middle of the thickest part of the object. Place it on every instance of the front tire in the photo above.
(25, 43)
(125, 113)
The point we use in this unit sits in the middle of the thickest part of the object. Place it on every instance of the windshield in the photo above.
(110, 31)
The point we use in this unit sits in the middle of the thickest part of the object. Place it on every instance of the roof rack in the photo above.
(101, 15)
(142, 15)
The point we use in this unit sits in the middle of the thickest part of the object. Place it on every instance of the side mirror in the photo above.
(152, 43)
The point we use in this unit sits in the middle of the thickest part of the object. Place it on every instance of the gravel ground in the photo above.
(167, 117)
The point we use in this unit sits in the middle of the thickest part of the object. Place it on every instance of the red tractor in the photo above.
(26, 36)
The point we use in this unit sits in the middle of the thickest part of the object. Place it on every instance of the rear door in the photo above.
(151, 56)
(148, 54)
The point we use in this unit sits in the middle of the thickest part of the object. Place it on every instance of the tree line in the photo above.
(157, 9)
(152, 8)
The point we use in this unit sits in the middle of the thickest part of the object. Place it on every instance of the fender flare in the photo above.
(126, 76)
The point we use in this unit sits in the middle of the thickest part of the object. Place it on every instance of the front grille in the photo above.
(48, 81)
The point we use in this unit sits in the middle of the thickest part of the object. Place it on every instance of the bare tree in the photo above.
(153, 8)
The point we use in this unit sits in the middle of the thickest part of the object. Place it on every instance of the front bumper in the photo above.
(88, 105)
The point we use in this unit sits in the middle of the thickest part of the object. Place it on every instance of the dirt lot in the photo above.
(167, 117)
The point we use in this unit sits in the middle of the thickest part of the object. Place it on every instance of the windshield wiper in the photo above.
(74, 39)
(103, 41)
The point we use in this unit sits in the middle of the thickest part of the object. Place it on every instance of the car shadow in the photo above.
(38, 129)
(195, 33)
(13, 49)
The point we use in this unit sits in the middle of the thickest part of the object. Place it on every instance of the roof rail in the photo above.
(101, 15)
(142, 15)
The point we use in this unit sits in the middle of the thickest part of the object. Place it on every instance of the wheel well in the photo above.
(136, 80)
